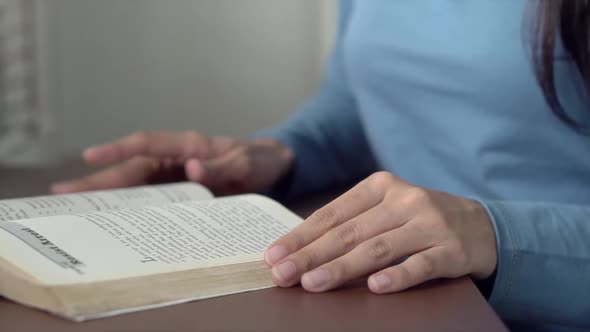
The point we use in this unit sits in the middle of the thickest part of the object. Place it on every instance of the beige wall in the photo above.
(23, 125)
(111, 67)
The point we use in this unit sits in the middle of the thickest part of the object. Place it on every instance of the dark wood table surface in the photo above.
(444, 305)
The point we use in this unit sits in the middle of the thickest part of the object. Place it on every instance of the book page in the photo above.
(125, 243)
(40, 206)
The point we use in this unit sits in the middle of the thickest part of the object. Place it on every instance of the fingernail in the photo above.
(380, 282)
(284, 271)
(194, 170)
(316, 278)
(194, 164)
(275, 254)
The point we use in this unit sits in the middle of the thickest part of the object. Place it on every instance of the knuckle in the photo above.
(242, 149)
(295, 241)
(192, 136)
(242, 153)
(223, 143)
(379, 249)
(403, 275)
(241, 159)
(458, 254)
(326, 217)
(140, 138)
(340, 270)
(417, 196)
(243, 167)
(390, 208)
(138, 142)
(426, 265)
(382, 179)
(347, 235)
(192, 142)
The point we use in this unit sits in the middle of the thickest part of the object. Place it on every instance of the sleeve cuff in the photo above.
(507, 245)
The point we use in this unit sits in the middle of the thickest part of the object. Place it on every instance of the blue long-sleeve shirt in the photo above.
(443, 94)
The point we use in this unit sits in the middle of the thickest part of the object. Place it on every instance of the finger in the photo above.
(357, 200)
(417, 269)
(132, 172)
(369, 256)
(153, 144)
(225, 174)
(340, 240)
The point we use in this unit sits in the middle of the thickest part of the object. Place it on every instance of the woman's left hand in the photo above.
(377, 223)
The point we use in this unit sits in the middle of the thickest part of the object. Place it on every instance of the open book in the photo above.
(97, 254)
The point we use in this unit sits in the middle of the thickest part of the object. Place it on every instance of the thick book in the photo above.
(97, 254)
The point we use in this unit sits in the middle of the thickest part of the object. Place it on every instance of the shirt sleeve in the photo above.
(543, 272)
(326, 134)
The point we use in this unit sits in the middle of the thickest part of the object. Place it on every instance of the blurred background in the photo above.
(74, 73)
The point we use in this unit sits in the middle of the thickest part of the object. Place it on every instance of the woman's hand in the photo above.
(224, 164)
(376, 224)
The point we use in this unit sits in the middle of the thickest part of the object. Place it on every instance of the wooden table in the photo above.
(445, 305)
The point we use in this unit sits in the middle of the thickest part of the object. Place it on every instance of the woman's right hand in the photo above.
(225, 165)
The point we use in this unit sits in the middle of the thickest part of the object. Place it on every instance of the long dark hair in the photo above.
(568, 20)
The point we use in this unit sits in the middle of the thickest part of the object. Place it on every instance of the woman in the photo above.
(475, 110)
